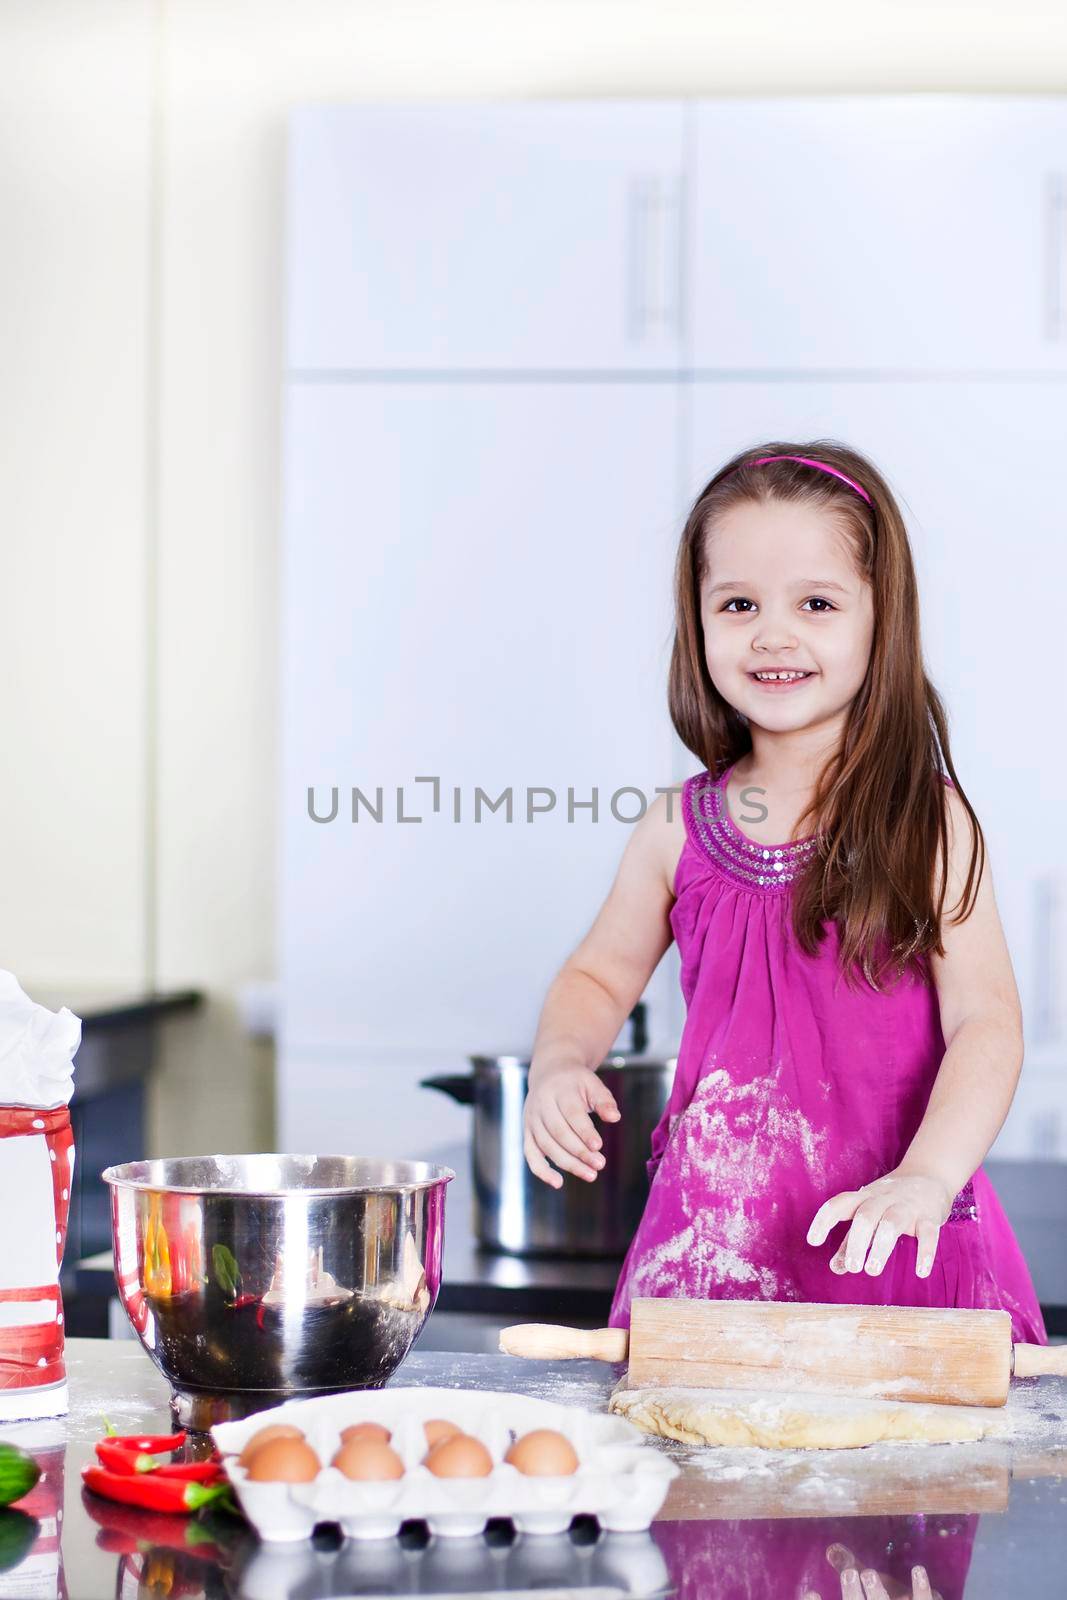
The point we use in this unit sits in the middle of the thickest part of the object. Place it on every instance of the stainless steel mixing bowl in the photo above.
(252, 1278)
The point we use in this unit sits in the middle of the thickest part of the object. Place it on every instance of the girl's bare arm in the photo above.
(981, 1021)
(591, 997)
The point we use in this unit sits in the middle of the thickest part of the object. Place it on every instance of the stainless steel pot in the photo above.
(515, 1212)
(250, 1278)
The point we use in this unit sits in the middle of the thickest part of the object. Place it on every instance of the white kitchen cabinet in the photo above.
(475, 587)
(890, 233)
(491, 402)
(977, 469)
(485, 235)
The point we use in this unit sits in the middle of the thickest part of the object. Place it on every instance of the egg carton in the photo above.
(620, 1480)
(627, 1566)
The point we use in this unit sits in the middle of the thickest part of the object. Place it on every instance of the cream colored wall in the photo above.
(74, 121)
(141, 177)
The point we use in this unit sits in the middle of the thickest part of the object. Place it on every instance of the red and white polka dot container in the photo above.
(37, 1048)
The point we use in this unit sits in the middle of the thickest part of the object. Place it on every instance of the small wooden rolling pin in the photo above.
(952, 1357)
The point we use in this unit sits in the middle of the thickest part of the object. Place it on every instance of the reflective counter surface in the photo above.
(985, 1520)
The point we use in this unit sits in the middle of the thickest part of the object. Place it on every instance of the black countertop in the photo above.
(986, 1516)
(119, 1047)
(107, 1008)
(117, 1027)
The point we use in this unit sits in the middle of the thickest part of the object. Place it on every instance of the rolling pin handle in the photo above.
(1039, 1360)
(541, 1341)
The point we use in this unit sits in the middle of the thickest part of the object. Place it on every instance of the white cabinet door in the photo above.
(486, 235)
(977, 469)
(897, 233)
(475, 589)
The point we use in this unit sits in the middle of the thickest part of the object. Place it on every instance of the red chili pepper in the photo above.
(190, 1471)
(116, 1458)
(153, 1444)
(124, 1530)
(152, 1492)
(137, 1310)
(117, 1543)
(256, 1300)
(137, 1452)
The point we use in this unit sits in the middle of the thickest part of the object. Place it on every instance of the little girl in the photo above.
(853, 1034)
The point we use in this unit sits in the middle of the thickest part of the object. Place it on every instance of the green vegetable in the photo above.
(18, 1533)
(227, 1272)
(18, 1474)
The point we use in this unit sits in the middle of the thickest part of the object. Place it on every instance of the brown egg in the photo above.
(544, 1453)
(459, 1456)
(277, 1430)
(284, 1461)
(437, 1429)
(368, 1458)
(366, 1430)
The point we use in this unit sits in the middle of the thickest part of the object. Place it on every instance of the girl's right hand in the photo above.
(557, 1125)
(867, 1583)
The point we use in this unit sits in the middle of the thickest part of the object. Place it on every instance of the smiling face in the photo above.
(781, 590)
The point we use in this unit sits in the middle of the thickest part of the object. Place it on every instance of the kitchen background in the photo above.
(360, 362)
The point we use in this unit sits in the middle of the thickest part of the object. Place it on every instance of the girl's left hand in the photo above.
(882, 1212)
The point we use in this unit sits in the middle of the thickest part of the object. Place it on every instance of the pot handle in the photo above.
(639, 1021)
(459, 1085)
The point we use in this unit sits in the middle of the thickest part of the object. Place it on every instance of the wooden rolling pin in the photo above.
(953, 1357)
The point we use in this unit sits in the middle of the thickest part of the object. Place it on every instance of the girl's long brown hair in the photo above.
(880, 808)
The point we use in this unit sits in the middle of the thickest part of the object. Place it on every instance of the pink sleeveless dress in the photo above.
(789, 1088)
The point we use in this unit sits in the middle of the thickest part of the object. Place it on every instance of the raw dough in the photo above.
(741, 1417)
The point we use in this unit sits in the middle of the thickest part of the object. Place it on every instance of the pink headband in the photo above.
(806, 461)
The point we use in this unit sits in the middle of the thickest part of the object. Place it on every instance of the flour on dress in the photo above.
(726, 1153)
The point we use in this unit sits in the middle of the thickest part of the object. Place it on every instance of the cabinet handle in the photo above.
(653, 261)
(1055, 253)
(672, 256)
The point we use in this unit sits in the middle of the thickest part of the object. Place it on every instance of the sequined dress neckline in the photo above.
(763, 868)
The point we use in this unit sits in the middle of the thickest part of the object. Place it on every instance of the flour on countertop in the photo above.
(1032, 1423)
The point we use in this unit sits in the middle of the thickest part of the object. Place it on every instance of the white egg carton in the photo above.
(620, 1480)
